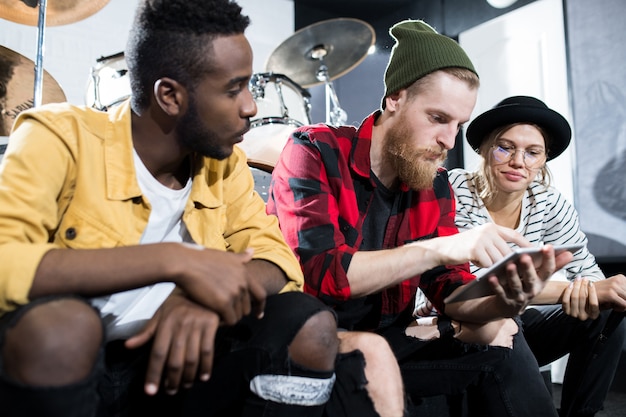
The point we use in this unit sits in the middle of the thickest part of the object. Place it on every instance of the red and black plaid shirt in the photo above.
(321, 191)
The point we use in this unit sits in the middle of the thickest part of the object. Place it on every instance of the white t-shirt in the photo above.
(125, 313)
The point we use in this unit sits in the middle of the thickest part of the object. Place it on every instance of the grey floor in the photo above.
(614, 406)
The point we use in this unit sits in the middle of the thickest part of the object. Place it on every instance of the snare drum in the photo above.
(109, 84)
(282, 106)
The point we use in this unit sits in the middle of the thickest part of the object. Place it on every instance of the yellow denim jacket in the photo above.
(67, 180)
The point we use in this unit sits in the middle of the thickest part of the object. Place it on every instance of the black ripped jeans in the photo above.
(253, 347)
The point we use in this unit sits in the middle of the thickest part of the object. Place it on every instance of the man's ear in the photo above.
(392, 100)
(171, 96)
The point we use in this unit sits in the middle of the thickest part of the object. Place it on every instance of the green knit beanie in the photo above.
(418, 51)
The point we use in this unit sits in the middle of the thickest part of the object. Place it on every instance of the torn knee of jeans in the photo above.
(294, 390)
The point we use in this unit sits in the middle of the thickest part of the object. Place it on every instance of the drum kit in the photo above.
(314, 55)
(108, 84)
(16, 87)
(19, 89)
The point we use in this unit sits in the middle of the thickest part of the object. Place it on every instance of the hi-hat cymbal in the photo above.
(17, 87)
(58, 12)
(341, 43)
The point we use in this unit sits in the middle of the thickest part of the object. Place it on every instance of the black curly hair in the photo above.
(172, 38)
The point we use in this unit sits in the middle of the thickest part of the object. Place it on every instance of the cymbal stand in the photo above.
(41, 24)
(97, 104)
(335, 115)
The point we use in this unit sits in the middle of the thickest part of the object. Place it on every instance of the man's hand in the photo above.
(220, 281)
(482, 245)
(183, 347)
(522, 280)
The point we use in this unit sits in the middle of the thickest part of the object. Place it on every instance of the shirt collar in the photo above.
(204, 173)
(121, 177)
(360, 157)
(121, 180)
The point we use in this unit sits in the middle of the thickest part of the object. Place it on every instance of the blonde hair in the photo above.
(485, 183)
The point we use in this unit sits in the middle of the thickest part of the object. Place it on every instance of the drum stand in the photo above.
(38, 92)
(322, 52)
(36, 14)
(335, 115)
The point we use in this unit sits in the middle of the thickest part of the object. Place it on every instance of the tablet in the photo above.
(480, 286)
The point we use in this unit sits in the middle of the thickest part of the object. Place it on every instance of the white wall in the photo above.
(70, 51)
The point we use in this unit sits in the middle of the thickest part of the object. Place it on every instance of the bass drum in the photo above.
(109, 83)
(282, 106)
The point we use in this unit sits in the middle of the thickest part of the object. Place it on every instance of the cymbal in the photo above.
(17, 87)
(58, 12)
(341, 44)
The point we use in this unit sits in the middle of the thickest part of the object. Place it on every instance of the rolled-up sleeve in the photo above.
(233, 218)
(318, 213)
(32, 180)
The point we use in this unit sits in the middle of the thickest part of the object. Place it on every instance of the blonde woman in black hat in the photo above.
(512, 188)
(369, 212)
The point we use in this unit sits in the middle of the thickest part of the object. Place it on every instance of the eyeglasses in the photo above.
(532, 157)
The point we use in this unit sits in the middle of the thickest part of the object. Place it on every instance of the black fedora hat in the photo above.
(520, 109)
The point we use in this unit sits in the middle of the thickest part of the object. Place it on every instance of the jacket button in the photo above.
(70, 233)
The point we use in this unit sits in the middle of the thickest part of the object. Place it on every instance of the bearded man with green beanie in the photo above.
(369, 213)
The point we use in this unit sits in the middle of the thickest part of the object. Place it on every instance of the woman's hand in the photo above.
(612, 293)
(580, 299)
